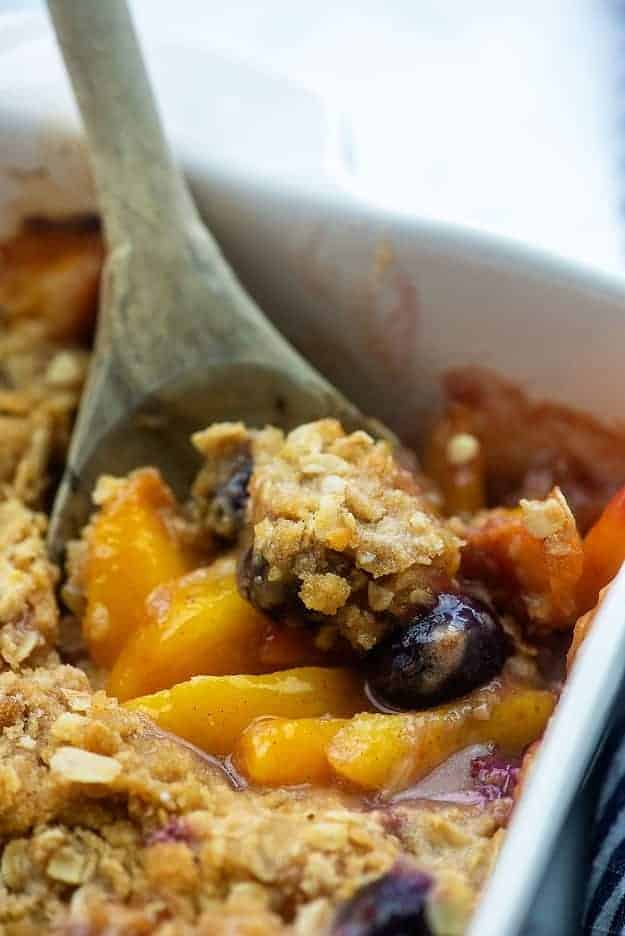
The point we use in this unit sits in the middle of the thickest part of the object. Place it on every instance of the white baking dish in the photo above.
(383, 304)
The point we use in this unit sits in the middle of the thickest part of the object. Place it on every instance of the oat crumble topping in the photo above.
(341, 532)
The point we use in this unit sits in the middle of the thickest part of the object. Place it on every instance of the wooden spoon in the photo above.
(179, 343)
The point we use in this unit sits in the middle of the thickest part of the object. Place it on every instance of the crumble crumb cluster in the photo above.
(40, 384)
(28, 610)
(342, 534)
(49, 276)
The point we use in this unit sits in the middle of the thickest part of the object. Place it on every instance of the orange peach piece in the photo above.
(212, 711)
(604, 552)
(131, 548)
(390, 752)
(287, 752)
(51, 274)
(533, 552)
(197, 624)
(453, 458)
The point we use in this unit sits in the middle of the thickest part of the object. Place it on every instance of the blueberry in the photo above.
(278, 597)
(442, 654)
(227, 512)
(274, 598)
(393, 905)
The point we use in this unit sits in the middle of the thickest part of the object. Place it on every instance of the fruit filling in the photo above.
(321, 614)
(314, 616)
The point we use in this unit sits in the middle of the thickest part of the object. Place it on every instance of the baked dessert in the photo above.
(303, 700)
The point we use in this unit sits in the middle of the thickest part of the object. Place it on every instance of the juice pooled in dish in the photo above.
(303, 699)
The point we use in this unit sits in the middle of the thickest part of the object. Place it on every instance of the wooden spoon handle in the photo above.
(172, 309)
(171, 304)
(141, 191)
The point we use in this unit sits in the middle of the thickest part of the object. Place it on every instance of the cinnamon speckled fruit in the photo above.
(287, 751)
(213, 711)
(390, 752)
(132, 547)
(197, 624)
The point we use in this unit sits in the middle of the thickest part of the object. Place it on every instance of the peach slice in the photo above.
(212, 711)
(604, 552)
(287, 752)
(51, 274)
(131, 548)
(283, 647)
(197, 624)
(531, 555)
(390, 752)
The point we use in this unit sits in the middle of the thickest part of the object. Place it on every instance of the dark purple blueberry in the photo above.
(495, 776)
(256, 587)
(393, 905)
(280, 598)
(442, 654)
(227, 510)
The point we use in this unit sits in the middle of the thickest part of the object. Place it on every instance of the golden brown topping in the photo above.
(28, 611)
(338, 532)
(84, 767)
(462, 448)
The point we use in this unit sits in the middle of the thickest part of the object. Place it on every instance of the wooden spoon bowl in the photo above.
(179, 343)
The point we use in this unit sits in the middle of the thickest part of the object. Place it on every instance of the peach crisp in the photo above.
(297, 700)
